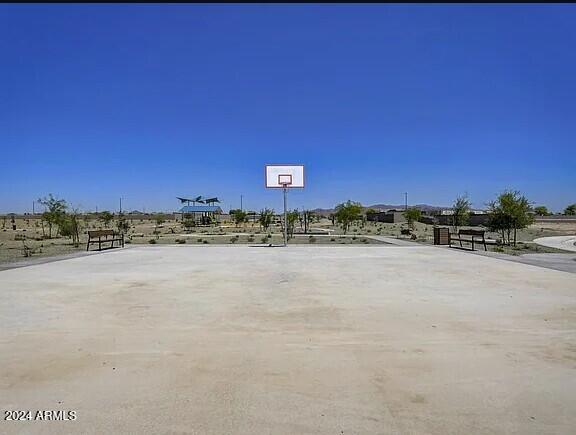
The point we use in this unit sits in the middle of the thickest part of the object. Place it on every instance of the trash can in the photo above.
(441, 236)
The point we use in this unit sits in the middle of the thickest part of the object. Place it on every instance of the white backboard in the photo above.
(290, 176)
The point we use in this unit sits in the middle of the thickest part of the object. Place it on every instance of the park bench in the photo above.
(474, 236)
(104, 236)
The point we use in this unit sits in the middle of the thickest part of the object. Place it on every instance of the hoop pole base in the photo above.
(285, 189)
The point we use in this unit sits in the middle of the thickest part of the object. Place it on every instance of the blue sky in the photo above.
(150, 101)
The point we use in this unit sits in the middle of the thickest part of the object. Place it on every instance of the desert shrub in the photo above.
(152, 241)
(181, 241)
(233, 240)
(312, 239)
(364, 240)
(354, 238)
(405, 231)
(127, 241)
(265, 239)
(205, 242)
(19, 237)
(251, 239)
(199, 240)
(332, 239)
(27, 251)
(413, 237)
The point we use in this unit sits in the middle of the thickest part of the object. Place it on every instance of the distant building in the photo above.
(201, 214)
(475, 218)
(391, 217)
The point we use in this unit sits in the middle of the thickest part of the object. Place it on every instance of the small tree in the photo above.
(570, 210)
(69, 225)
(265, 218)
(158, 220)
(541, 211)
(412, 215)
(55, 210)
(346, 213)
(122, 223)
(292, 217)
(239, 216)
(509, 213)
(461, 212)
(105, 217)
(307, 217)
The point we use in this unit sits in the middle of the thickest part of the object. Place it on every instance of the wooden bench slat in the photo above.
(95, 236)
(100, 233)
(473, 233)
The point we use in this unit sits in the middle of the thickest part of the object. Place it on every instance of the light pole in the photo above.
(405, 200)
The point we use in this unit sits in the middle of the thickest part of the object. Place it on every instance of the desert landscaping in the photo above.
(29, 240)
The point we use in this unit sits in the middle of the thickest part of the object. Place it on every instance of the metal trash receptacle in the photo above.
(441, 236)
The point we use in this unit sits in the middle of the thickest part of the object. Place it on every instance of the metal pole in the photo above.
(285, 217)
(120, 205)
(241, 207)
(405, 200)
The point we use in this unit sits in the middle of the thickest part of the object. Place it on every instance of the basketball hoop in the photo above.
(285, 177)
(285, 180)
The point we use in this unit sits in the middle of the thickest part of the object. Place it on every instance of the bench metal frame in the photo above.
(104, 236)
(473, 234)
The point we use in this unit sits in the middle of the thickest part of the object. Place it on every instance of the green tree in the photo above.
(461, 212)
(412, 215)
(239, 216)
(570, 210)
(122, 223)
(541, 211)
(55, 211)
(346, 213)
(307, 217)
(509, 213)
(69, 225)
(292, 217)
(265, 218)
(105, 217)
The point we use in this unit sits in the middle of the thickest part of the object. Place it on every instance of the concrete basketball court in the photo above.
(297, 340)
